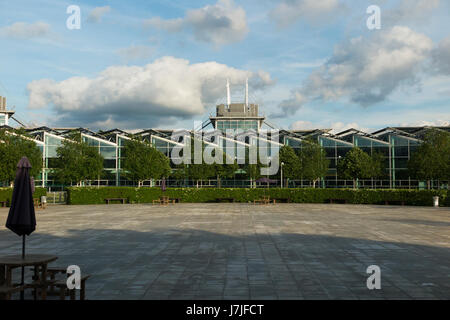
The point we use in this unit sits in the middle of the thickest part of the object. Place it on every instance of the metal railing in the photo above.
(59, 197)
(246, 183)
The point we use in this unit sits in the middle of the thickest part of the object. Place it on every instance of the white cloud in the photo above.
(441, 57)
(335, 127)
(303, 125)
(366, 71)
(410, 12)
(97, 13)
(134, 96)
(431, 123)
(313, 11)
(136, 52)
(218, 24)
(24, 30)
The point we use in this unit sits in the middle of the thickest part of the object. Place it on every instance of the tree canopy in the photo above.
(77, 161)
(291, 167)
(13, 146)
(313, 162)
(144, 162)
(431, 160)
(356, 164)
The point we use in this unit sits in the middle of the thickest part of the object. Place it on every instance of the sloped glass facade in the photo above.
(395, 146)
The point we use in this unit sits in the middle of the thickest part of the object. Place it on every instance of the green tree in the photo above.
(377, 168)
(431, 160)
(313, 162)
(77, 161)
(225, 170)
(144, 162)
(290, 162)
(252, 170)
(356, 165)
(13, 146)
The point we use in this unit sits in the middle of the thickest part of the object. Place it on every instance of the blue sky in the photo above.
(311, 64)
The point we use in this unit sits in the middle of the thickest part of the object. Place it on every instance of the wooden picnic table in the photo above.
(285, 200)
(38, 261)
(38, 204)
(164, 200)
(265, 200)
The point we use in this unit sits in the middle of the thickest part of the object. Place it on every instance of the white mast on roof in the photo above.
(246, 93)
(228, 94)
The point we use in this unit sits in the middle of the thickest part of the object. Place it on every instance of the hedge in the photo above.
(6, 194)
(94, 195)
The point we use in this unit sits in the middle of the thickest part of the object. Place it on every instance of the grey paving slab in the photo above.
(241, 251)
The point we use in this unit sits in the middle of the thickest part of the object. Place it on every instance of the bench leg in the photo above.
(83, 290)
(62, 293)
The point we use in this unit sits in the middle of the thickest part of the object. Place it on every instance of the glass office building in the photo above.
(394, 143)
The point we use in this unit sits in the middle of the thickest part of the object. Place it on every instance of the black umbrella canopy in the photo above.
(163, 184)
(22, 219)
(266, 180)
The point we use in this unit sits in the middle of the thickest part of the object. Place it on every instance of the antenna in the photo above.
(246, 92)
(228, 94)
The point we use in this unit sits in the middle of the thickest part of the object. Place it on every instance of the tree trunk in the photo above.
(354, 183)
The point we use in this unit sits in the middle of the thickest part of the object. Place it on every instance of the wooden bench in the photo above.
(397, 202)
(61, 284)
(123, 200)
(225, 199)
(4, 203)
(282, 200)
(6, 292)
(344, 201)
(64, 291)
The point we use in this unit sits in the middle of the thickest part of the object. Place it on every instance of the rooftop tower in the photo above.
(242, 116)
(4, 114)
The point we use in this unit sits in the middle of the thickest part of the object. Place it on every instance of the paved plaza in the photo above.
(244, 251)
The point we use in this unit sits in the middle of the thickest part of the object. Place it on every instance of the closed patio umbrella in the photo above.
(21, 218)
(163, 184)
(266, 180)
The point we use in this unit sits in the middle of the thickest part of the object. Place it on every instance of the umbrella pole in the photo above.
(22, 296)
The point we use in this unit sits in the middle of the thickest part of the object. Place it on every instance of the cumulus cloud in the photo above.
(288, 12)
(410, 12)
(218, 24)
(289, 106)
(97, 13)
(137, 97)
(24, 30)
(335, 127)
(430, 123)
(303, 125)
(136, 52)
(441, 57)
(366, 71)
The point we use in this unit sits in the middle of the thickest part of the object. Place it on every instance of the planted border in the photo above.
(6, 194)
(94, 195)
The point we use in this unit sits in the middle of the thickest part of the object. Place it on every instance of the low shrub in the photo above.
(94, 195)
(6, 194)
